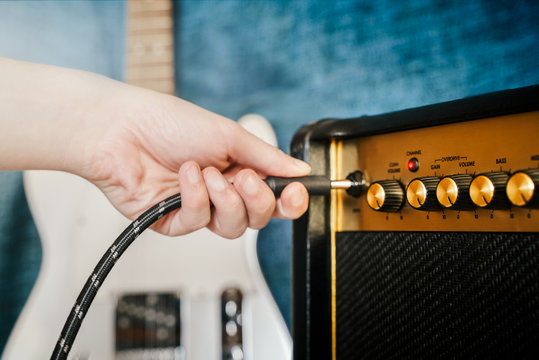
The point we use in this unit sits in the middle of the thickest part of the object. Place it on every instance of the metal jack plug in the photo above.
(354, 184)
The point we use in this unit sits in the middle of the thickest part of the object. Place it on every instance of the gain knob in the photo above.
(453, 192)
(488, 190)
(385, 195)
(421, 193)
(522, 188)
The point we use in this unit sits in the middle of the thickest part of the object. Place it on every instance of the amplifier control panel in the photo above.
(478, 175)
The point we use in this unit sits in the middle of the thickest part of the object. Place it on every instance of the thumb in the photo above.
(250, 151)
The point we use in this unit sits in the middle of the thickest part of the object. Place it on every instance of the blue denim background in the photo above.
(20, 251)
(291, 61)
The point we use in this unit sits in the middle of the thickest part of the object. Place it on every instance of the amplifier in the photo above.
(438, 257)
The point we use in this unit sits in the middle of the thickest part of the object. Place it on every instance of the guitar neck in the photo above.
(150, 45)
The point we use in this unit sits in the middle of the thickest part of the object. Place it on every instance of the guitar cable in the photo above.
(315, 184)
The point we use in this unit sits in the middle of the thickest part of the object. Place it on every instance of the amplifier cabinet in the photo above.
(439, 255)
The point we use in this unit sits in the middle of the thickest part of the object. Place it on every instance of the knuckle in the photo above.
(195, 220)
(230, 225)
(198, 204)
(235, 204)
(260, 218)
(241, 179)
(229, 203)
(235, 232)
(201, 222)
(268, 205)
(244, 173)
(259, 224)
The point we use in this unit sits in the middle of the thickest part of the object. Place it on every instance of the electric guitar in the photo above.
(193, 297)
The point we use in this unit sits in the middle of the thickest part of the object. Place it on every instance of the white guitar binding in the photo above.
(76, 224)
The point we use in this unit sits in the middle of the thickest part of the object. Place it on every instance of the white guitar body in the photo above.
(76, 225)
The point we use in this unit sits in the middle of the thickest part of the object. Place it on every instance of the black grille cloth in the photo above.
(437, 295)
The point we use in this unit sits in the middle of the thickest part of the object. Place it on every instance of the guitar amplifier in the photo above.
(438, 256)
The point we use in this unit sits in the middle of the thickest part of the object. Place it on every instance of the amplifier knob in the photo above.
(453, 192)
(421, 193)
(522, 188)
(385, 195)
(488, 190)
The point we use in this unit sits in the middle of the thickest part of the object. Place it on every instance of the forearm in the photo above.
(139, 146)
(48, 115)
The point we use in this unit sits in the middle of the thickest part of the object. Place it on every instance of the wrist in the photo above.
(50, 115)
(85, 116)
(101, 130)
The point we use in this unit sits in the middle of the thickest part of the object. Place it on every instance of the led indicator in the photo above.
(413, 164)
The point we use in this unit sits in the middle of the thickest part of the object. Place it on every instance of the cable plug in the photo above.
(354, 184)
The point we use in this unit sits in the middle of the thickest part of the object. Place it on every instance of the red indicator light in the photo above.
(413, 164)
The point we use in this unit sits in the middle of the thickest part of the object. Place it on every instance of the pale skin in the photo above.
(139, 147)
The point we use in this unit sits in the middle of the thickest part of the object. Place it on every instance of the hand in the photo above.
(140, 146)
(158, 145)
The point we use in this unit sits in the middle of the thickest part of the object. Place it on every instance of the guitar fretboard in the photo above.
(150, 45)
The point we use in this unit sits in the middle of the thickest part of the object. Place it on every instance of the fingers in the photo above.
(254, 153)
(249, 202)
(195, 211)
(229, 217)
(257, 196)
(293, 202)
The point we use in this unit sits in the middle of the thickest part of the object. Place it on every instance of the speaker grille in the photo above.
(437, 295)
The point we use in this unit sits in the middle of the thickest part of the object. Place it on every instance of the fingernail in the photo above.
(303, 165)
(215, 180)
(193, 174)
(251, 185)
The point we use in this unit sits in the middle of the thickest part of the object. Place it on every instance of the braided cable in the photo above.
(102, 269)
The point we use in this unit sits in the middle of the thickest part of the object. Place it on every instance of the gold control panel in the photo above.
(479, 175)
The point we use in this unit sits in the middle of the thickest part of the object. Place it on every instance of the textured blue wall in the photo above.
(298, 61)
(20, 251)
(86, 35)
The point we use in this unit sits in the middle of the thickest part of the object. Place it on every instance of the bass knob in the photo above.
(488, 190)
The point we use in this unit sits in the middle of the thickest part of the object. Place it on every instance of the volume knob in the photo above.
(488, 190)
(385, 195)
(421, 193)
(453, 192)
(522, 188)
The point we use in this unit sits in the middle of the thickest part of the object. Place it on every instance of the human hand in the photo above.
(139, 147)
(157, 145)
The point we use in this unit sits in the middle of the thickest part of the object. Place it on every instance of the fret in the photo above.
(137, 73)
(150, 13)
(150, 45)
(150, 23)
(146, 56)
(156, 46)
(137, 6)
(149, 63)
(167, 39)
(161, 31)
(162, 85)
